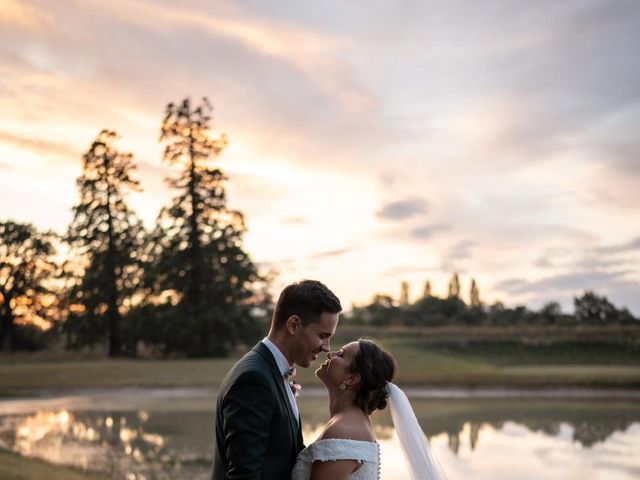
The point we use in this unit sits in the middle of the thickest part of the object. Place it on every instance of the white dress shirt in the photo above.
(283, 366)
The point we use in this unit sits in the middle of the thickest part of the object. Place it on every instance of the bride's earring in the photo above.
(343, 386)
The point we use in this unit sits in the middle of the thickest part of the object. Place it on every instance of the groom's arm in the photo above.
(247, 413)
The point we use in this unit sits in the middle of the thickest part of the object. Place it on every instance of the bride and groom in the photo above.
(258, 433)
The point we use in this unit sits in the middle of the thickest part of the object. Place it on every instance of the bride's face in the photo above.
(335, 369)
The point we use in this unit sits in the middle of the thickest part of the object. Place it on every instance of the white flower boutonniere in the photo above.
(295, 388)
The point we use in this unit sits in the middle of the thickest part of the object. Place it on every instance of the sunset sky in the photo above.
(369, 142)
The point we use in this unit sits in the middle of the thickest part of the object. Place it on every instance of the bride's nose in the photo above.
(330, 355)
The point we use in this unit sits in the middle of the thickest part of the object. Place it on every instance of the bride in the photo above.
(358, 379)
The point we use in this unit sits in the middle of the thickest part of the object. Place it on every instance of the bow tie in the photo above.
(290, 373)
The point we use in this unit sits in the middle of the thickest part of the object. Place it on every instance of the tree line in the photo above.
(430, 310)
(185, 287)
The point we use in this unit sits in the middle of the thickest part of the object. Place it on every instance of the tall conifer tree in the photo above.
(198, 266)
(474, 294)
(454, 286)
(106, 237)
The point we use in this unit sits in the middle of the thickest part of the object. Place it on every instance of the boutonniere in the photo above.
(295, 388)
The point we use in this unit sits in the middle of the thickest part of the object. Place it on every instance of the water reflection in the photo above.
(515, 452)
(118, 443)
(591, 422)
(516, 439)
(494, 439)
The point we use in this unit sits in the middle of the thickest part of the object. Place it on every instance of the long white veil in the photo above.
(415, 446)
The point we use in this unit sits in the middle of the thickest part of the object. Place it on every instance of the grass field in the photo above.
(423, 360)
(559, 353)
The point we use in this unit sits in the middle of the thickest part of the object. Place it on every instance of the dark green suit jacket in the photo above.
(257, 436)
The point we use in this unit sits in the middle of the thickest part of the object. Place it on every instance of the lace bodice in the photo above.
(331, 449)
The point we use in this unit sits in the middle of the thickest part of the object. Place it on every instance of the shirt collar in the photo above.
(281, 360)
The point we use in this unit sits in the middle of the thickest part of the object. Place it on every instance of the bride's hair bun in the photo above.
(376, 367)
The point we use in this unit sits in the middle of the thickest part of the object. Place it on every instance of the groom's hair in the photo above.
(308, 299)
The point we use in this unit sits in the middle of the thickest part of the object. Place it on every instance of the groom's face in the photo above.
(314, 339)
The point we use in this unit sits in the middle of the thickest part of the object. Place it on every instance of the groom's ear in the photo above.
(292, 324)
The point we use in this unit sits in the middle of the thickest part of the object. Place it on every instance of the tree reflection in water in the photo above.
(591, 422)
(175, 443)
(589, 426)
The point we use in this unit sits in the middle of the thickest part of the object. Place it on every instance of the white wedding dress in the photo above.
(332, 449)
(414, 444)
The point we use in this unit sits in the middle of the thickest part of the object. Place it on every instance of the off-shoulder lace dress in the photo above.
(331, 449)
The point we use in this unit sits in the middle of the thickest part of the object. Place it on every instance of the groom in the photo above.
(258, 432)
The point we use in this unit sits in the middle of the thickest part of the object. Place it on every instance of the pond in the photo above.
(160, 434)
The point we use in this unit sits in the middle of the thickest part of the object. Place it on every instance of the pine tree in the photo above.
(106, 236)
(454, 286)
(474, 294)
(427, 289)
(404, 293)
(197, 263)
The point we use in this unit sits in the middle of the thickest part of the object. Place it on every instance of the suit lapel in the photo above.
(264, 351)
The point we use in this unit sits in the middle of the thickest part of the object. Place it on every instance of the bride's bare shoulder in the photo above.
(350, 427)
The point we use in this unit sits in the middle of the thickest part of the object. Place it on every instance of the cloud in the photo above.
(618, 285)
(427, 231)
(405, 270)
(16, 13)
(284, 88)
(573, 281)
(630, 246)
(522, 96)
(601, 257)
(40, 145)
(331, 253)
(296, 263)
(403, 209)
(462, 249)
(612, 270)
(454, 259)
(308, 50)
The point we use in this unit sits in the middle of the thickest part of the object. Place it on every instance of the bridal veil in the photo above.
(415, 446)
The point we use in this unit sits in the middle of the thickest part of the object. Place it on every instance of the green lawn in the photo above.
(420, 363)
(509, 352)
(112, 373)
